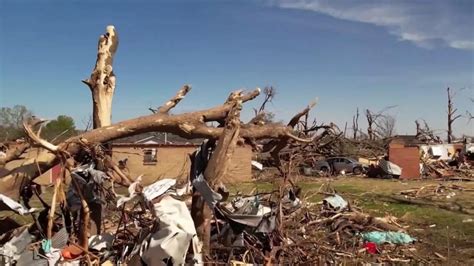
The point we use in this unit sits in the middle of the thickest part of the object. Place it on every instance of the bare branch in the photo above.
(14, 153)
(43, 143)
(294, 121)
(175, 100)
(456, 117)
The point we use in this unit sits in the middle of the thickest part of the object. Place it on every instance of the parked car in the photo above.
(320, 167)
(346, 164)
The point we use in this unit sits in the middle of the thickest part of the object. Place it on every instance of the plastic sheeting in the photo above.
(16, 246)
(132, 192)
(88, 179)
(388, 237)
(158, 188)
(390, 168)
(176, 231)
(14, 206)
(100, 242)
(210, 196)
(336, 202)
(257, 165)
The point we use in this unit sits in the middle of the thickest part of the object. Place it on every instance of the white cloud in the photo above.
(426, 23)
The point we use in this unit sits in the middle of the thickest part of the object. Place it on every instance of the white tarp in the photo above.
(15, 206)
(440, 152)
(132, 192)
(176, 231)
(257, 165)
(470, 148)
(100, 242)
(13, 248)
(390, 168)
(158, 188)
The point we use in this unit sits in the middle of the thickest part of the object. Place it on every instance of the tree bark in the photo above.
(216, 171)
(102, 79)
(355, 124)
(188, 125)
(14, 153)
(451, 115)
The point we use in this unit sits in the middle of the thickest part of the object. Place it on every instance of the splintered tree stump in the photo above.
(102, 80)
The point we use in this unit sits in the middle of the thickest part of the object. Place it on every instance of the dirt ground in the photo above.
(443, 225)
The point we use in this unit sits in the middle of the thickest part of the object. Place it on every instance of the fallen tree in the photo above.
(80, 149)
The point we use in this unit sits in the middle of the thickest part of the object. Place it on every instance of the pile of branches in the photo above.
(441, 169)
(434, 191)
(319, 234)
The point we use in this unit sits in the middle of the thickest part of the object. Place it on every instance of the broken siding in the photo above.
(408, 158)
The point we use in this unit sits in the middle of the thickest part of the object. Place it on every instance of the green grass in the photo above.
(437, 229)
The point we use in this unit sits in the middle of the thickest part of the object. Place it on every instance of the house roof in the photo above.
(156, 138)
(407, 140)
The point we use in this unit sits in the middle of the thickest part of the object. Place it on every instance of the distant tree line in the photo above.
(11, 125)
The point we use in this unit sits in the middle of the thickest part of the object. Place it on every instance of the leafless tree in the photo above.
(468, 113)
(373, 120)
(386, 126)
(355, 124)
(262, 116)
(425, 134)
(452, 116)
(188, 125)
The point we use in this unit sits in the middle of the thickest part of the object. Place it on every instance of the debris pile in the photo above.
(153, 225)
(434, 191)
(335, 232)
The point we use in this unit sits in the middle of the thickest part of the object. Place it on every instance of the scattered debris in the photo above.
(378, 237)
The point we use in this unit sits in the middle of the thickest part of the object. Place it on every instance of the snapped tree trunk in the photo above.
(216, 170)
(451, 115)
(102, 79)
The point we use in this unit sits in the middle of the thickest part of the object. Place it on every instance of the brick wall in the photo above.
(408, 158)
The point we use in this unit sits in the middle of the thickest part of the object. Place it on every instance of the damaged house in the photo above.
(408, 152)
(161, 155)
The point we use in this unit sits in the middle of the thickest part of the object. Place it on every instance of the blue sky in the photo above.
(348, 54)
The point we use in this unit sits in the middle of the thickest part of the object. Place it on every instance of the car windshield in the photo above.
(351, 160)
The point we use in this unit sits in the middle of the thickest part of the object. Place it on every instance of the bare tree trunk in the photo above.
(355, 124)
(13, 153)
(370, 122)
(187, 125)
(418, 128)
(102, 79)
(451, 115)
(216, 171)
(102, 85)
(345, 129)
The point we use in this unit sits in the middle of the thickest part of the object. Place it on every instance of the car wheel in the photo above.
(357, 171)
(324, 169)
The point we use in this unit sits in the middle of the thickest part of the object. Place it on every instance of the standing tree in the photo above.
(373, 122)
(451, 114)
(469, 114)
(71, 151)
(59, 129)
(102, 80)
(11, 122)
(386, 126)
(355, 124)
(261, 115)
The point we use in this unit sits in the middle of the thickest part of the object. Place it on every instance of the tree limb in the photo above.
(14, 153)
(164, 109)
